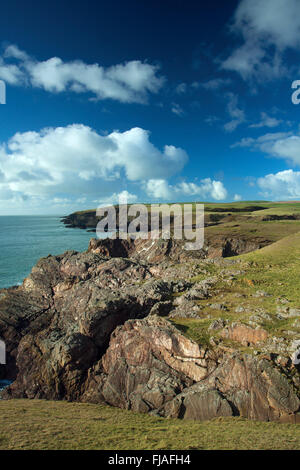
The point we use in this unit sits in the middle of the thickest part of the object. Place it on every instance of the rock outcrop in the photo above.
(151, 367)
(245, 334)
(99, 327)
(158, 251)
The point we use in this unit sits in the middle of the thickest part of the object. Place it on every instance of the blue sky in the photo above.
(157, 101)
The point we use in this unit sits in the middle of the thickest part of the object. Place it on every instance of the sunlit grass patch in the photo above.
(39, 424)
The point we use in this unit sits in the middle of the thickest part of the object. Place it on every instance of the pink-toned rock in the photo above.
(138, 340)
(201, 384)
(244, 334)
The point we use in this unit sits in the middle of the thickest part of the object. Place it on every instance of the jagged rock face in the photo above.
(220, 246)
(88, 327)
(151, 366)
(58, 323)
(198, 403)
(157, 251)
(255, 388)
(149, 250)
(148, 363)
(112, 247)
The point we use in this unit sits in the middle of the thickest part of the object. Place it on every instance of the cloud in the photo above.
(130, 82)
(124, 197)
(216, 83)
(10, 73)
(261, 142)
(141, 159)
(177, 109)
(237, 197)
(181, 88)
(77, 161)
(161, 189)
(211, 85)
(281, 186)
(211, 120)
(287, 148)
(13, 51)
(237, 114)
(279, 145)
(267, 28)
(266, 121)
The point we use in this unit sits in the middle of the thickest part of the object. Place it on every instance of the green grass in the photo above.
(263, 207)
(251, 229)
(195, 329)
(276, 268)
(38, 424)
(280, 209)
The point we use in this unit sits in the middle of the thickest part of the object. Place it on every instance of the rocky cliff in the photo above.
(108, 326)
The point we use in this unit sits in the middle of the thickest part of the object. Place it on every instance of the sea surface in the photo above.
(25, 239)
(4, 384)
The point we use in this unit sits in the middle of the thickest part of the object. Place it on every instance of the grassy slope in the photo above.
(39, 424)
(249, 224)
(252, 228)
(274, 269)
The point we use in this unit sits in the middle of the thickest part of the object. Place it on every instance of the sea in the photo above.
(25, 239)
(4, 384)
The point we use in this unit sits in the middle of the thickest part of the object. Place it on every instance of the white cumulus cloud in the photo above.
(128, 82)
(161, 189)
(77, 160)
(284, 185)
(124, 197)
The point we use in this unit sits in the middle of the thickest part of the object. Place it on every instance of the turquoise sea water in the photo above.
(25, 239)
